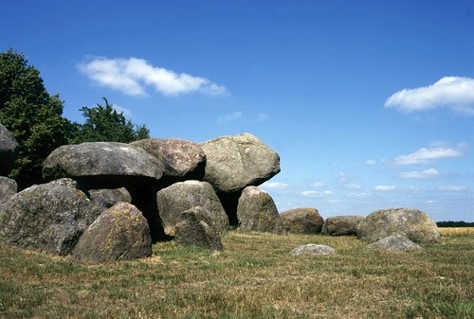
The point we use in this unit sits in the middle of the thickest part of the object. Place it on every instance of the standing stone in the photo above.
(257, 211)
(196, 228)
(119, 233)
(302, 221)
(415, 224)
(181, 196)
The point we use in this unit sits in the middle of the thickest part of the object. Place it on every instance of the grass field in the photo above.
(254, 277)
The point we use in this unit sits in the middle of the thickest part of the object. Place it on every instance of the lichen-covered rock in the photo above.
(48, 217)
(394, 243)
(8, 188)
(342, 225)
(8, 150)
(302, 220)
(181, 159)
(257, 212)
(234, 162)
(179, 197)
(106, 197)
(313, 249)
(196, 228)
(103, 164)
(415, 224)
(119, 233)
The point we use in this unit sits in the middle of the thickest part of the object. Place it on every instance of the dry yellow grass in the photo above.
(453, 231)
(254, 277)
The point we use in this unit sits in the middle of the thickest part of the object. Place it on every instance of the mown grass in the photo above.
(254, 277)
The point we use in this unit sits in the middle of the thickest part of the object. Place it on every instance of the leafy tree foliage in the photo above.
(32, 115)
(104, 123)
(35, 119)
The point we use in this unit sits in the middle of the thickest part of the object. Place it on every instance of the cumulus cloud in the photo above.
(132, 76)
(385, 188)
(455, 93)
(427, 173)
(428, 155)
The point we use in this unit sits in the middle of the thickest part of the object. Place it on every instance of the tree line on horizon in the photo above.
(35, 118)
(451, 223)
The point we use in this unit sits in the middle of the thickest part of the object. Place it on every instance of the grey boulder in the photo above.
(196, 228)
(415, 224)
(313, 249)
(8, 150)
(119, 233)
(257, 212)
(48, 217)
(181, 159)
(173, 200)
(234, 162)
(394, 243)
(304, 220)
(8, 188)
(342, 225)
(103, 164)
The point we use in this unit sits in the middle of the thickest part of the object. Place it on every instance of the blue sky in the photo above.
(370, 104)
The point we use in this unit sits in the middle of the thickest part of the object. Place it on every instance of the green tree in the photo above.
(32, 115)
(104, 123)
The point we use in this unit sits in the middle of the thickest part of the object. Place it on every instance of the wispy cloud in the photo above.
(385, 188)
(132, 76)
(316, 193)
(427, 173)
(221, 120)
(352, 186)
(274, 185)
(429, 155)
(453, 188)
(455, 93)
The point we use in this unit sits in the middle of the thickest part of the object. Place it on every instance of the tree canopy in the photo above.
(32, 115)
(35, 118)
(105, 123)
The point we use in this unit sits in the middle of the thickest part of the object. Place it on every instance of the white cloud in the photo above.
(370, 162)
(427, 173)
(221, 120)
(133, 75)
(455, 93)
(352, 186)
(358, 195)
(316, 193)
(274, 185)
(317, 184)
(429, 155)
(453, 188)
(385, 188)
